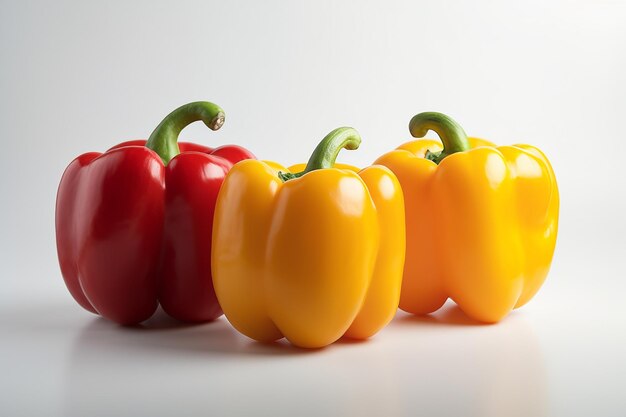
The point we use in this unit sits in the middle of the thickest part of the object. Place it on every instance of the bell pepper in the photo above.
(310, 255)
(481, 220)
(133, 224)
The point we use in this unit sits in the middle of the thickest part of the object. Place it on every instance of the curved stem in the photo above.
(326, 152)
(450, 132)
(164, 139)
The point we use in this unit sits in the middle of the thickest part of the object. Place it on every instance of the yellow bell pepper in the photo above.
(310, 256)
(481, 220)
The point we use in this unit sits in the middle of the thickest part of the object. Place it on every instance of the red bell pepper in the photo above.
(133, 224)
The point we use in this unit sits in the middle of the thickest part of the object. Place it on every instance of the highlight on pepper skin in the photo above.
(312, 253)
(481, 220)
(133, 224)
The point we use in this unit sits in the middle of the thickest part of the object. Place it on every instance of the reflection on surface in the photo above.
(438, 365)
(466, 368)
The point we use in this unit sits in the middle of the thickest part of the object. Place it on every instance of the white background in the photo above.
(82, 76)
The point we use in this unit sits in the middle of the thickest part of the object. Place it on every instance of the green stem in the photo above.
(450, 132)
(326, 152)
(164, 139)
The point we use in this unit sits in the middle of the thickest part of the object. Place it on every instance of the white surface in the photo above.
(82, 76)
(553, 358)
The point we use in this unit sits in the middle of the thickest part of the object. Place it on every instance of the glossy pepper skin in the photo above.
(133, 224)
(310, 256)
(481, 220)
